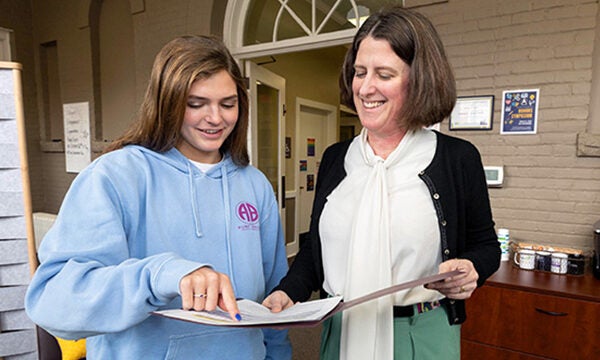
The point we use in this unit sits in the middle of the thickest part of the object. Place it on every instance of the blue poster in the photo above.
(519, 111)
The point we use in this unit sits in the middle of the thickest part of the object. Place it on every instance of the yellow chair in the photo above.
(51, 347)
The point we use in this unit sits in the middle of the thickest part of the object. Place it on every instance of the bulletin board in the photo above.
(17, 245)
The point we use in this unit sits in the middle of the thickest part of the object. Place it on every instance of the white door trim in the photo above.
(260, 74)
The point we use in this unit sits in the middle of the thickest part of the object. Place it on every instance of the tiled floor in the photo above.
(305, 343)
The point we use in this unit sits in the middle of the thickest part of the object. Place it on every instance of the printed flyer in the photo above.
(520, 111)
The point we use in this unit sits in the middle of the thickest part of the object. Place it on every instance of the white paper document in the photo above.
(308, 313)
(255, 314)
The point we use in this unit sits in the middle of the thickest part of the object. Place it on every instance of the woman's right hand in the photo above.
(278, 301)
(205, 289)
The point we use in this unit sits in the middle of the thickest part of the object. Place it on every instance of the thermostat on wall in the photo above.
(494, 175)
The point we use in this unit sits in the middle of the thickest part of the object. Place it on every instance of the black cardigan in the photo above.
(456, 182)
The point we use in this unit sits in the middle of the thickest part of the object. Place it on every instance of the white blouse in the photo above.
(415, 239)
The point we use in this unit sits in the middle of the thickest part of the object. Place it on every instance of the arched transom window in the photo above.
(259, 27)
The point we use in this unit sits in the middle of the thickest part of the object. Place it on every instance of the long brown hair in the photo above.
(432, 88)
(179, 63)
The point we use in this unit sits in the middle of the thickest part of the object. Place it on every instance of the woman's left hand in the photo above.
(458, 287)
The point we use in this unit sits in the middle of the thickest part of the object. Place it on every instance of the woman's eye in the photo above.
(360, 74)
(385, 76)
(195, 105)
(228, 105)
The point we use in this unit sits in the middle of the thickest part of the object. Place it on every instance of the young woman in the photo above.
(172, 216)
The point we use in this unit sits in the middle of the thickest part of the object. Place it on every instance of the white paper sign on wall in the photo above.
(77, 136)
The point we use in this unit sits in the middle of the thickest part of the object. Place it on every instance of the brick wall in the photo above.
(550, 195)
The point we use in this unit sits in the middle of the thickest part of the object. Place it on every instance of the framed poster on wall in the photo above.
(473, 113)
(520, 111)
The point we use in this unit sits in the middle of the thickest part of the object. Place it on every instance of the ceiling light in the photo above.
(363, 14)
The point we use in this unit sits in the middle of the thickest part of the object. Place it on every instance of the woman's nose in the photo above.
(212, 114)
(366, 86)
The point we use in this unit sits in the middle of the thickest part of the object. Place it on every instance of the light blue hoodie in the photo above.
(131, 226)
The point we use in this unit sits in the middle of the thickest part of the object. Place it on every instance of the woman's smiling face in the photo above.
(379, 87)
(210, 116)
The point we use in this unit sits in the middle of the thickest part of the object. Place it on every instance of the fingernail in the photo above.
(238, 317)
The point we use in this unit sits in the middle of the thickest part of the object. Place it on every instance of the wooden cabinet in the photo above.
(520, 314)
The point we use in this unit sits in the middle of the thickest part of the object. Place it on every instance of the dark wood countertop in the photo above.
(583, 287)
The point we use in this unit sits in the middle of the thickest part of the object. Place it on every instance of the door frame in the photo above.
(256, 73)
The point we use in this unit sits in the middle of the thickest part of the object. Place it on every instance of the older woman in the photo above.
(396, 203)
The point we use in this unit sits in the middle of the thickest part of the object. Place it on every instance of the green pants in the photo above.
(419, 337)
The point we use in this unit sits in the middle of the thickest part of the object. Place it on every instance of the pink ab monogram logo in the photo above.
(247, 213)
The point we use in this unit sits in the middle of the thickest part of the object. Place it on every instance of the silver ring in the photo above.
(199, 295)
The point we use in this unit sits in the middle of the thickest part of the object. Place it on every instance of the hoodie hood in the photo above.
(220, 172)
(177, 160)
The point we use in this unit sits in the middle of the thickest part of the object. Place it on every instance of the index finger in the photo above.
(228, 303)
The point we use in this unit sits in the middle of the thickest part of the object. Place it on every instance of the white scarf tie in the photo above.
(367, 329)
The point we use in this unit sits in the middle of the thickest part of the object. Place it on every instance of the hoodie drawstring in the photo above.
(193, 196)
(225, 185)
(227, 206)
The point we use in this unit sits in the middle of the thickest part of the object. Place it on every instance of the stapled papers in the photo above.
(304, 314)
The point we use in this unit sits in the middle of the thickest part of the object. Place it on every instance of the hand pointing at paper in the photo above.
(205, 289)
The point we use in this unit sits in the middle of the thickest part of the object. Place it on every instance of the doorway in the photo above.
(316, 125)
(310, 67)
(312, 90)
